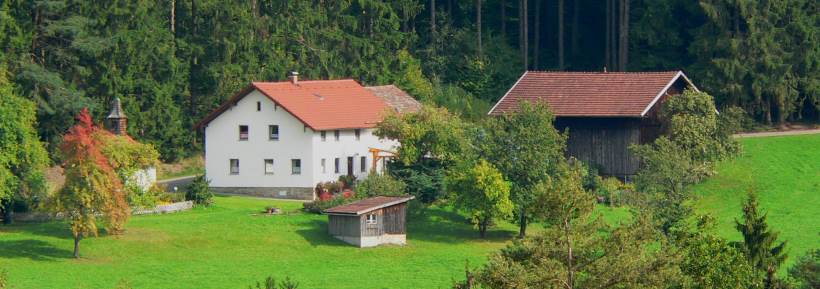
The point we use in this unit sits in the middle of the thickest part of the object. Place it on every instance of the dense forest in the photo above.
(172, 61)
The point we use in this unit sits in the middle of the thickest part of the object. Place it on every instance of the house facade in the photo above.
(279, 139)
(604, 112)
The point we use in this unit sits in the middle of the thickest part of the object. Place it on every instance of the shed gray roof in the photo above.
(367, 205)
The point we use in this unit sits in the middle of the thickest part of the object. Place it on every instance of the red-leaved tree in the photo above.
(92, 186)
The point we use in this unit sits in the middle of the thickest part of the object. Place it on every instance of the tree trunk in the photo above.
(576, 10)
(570, 258)
(478, 24)
(173, 16)
(522, 224)
(504, 19)
(525, 34)
(608, 37)
(482, 227)
(8, 212)
(537, 36)
(77, 239)
(560, 34)
(623, 41)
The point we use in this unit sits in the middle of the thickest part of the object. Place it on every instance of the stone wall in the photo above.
(295, 193)
(161, 209)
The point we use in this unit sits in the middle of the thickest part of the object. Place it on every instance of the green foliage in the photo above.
(380, 185)
(199, 191)
(482, 192)
(806, 272)
(760, 243)
(270, 283)
(22, 155)
(696, 141)
(527, 149)
(712, 262)
(433, 140)
(4, 279)
(578, 250)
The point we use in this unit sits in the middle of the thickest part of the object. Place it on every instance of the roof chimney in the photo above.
(294, 77)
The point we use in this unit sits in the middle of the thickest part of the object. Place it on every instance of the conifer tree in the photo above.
(760, 244)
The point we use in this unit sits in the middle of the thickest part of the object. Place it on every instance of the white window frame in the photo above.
(247, 132)
(363, 164)
(271, 135)
(337, 135)
(324, 166)
(337, 165)
(323, 134)
(371, 219)
(269, 172)
(231, 167)
(294, 169)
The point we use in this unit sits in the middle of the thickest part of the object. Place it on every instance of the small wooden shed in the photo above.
(370, 222)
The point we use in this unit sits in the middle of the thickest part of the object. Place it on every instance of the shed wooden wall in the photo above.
(389, 220)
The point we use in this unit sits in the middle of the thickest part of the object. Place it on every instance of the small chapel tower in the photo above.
(117, 121)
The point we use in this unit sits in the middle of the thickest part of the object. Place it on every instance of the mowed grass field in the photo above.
(231, 245)
(784, 172)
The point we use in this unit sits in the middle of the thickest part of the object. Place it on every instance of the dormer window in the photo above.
(243, 132)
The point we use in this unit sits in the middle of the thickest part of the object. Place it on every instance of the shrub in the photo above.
(320, 205)
(3, 279)
(270, 283)
(380, 185)
(199, 191)
(806, 272)
(612, 191)
(347, 182)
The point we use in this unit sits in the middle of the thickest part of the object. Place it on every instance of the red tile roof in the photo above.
(367, 205)
(319, 104)
(590, 94)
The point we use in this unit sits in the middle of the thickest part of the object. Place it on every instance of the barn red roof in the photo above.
(367, 205)
(590, 94)
(319, 104)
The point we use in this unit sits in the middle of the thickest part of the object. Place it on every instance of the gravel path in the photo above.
(778, 133)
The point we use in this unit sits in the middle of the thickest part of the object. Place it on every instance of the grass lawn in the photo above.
(228, 246)
(785, 173)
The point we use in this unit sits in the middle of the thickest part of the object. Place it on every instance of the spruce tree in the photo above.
(759, 242)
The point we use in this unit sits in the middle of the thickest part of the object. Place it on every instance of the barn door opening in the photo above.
(350, 166)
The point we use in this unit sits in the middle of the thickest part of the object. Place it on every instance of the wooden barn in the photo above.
(605, 112)
(370, 222)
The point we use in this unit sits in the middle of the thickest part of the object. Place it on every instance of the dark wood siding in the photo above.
(603, 143)
(347, 226)
(394, 219)
(376, 229)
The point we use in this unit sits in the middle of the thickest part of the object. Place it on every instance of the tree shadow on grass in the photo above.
(35, 250)
(53, 229)
(447, 226)
(315, 233)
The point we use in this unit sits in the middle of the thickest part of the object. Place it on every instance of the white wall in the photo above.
(222, 144)
(346, 146)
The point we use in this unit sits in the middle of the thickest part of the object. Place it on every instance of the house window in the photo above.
(296, 166)
(243, 132)
(336, 165)
(358, 133)
(234, 166)
(371, 219)
(258, 106)
(336, 135)
(364, 164)
(273, 131)
(324, 166)
(268, 166)
(324, 135)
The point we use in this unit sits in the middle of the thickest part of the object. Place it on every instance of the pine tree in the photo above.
(759, 242)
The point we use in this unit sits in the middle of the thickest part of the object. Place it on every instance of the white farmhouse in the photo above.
(279, 139)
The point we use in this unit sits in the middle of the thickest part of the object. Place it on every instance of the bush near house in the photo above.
(199, 191)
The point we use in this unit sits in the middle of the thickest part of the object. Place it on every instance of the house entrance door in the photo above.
(350, 166)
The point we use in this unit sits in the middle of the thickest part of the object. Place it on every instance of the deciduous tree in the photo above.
(482, 192)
